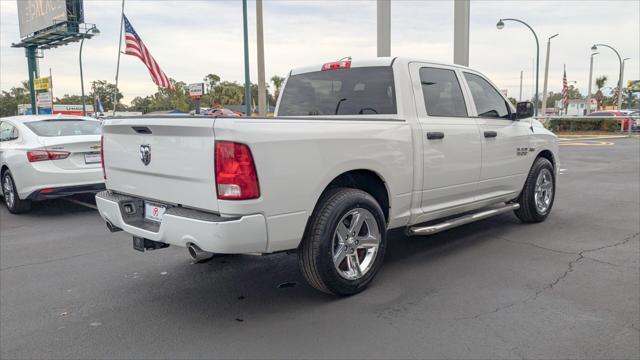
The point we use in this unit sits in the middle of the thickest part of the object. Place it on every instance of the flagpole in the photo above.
(115, 94)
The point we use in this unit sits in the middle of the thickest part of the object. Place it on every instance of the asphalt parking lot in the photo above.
(565, 288)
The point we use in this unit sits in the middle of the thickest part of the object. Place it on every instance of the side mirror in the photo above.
(524, 110)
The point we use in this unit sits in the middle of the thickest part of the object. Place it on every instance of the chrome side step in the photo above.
(466, 219)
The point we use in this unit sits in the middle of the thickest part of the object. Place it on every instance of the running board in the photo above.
(466, 219)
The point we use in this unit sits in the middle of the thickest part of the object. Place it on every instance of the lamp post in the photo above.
(595, 48)
(546, 75)
(590, 82)
(93, 30)
(500, 26)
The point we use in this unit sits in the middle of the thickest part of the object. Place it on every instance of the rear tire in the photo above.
(11, 197)
(538, 194)
(344, 245)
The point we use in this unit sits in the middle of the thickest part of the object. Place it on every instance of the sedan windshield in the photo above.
(64, 127)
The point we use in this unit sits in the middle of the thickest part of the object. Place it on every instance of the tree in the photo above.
(9, 100)
(210, 81)
(227, 93)
(8, 104)
(277, 83)
(630, 100)
(142, 104)
(70, 100)
(103, 90)
(600, 82)
(513, 101)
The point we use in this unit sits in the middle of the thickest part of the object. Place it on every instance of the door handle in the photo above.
(435, 135)
(490, 134)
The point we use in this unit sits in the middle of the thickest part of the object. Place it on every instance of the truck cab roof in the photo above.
(367, 62)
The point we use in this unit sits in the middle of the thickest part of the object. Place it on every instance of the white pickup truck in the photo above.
(356, 148)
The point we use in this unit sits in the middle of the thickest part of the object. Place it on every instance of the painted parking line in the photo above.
(586, 143)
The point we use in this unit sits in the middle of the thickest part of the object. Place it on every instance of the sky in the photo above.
(190, 39)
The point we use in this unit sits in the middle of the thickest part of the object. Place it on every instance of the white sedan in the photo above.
(48, 156)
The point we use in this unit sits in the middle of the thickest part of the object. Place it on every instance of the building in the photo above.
(576, 107)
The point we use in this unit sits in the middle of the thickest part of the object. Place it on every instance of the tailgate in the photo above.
(180, 165)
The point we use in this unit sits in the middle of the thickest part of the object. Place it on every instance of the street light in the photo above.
(94, 31)
(590, 83)
(546, 75)
(500, 26)
(595, 48)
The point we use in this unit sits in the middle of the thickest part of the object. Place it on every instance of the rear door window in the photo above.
(64, 127)
(7, 131)
(354, 91)
(489, 102)
(442, 93)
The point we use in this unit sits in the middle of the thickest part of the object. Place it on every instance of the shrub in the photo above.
(582, 124)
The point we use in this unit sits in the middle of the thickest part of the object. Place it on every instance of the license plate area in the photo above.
(92, 158)
(154, 212)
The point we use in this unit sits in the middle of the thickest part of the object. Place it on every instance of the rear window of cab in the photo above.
(352, 91)
(64, 127)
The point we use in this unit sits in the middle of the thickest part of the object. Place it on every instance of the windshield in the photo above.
(355, 91)
(64, 127)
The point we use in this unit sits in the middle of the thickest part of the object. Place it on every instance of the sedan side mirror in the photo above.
(524, 110)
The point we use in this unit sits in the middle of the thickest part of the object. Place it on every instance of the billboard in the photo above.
(36, 15)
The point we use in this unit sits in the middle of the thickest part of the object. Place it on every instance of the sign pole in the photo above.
(51, 89)
(247, 79)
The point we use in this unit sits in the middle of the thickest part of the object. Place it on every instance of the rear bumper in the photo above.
(57, 192)
(181, 226)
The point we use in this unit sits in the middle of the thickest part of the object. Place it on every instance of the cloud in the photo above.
(190, 39)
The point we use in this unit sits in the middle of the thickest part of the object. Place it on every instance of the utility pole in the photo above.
(461, 11)
(520, 85)
(546, 76)
(262, 88)
(590, 83)
(247, 78)
(384, 28)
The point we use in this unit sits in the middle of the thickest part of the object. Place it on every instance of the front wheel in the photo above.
(11, 197)
(538, 194)
(345, 242)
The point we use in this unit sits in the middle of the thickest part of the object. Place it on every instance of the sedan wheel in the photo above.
(11, 197)
(7, 190)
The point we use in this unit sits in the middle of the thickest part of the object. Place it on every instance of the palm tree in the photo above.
(277, 83)
(600, 82)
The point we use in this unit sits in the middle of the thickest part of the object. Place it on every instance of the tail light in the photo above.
(342, 64)
(236, 175)
(104, 172)
(42, 155)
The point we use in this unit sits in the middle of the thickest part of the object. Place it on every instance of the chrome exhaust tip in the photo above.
(112, 227)
(198, 255)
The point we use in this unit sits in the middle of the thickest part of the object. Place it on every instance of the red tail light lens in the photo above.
(104, 172)
(344, 64)
(236, 175)
(42, 155)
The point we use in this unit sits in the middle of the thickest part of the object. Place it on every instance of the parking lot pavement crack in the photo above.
(563, 275)
(537, 246)
(609, 263)
(50, 260)
(622, 242)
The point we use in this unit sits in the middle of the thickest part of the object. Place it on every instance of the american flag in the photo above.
(136, 47)
(565, 90)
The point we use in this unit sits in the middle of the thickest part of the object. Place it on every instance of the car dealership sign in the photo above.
(196, 90)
